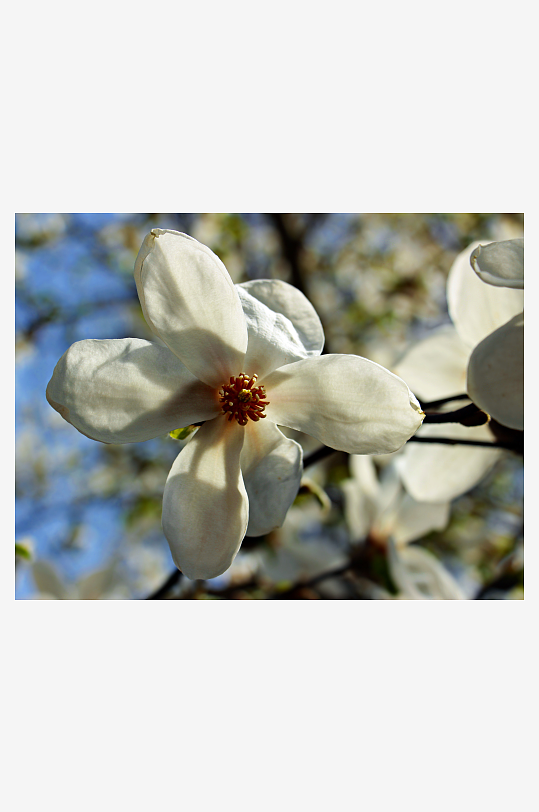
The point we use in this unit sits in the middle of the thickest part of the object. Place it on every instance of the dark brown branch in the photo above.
(479, 443)
(285, 593)
(433, 404)
(469, 415)
(172, 580)
(292, 248)
(319, 454)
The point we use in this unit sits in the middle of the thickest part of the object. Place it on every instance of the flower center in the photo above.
(242, 399)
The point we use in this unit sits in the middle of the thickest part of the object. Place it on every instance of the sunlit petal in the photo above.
(500, 263)
(273, 338)
(347, 402)
(205, 505)
(271, 465)
(286, 299)
(127, 390)
(496, 374)
(190, 302)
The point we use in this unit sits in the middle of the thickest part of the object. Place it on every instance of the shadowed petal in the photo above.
(413, 520)
(271, 465)
(433, 472)
(48, 581)
(500, 263)
(346, 402)
(205, 505)
(127, 390)
(190, 302)
(420, 576)
(435, 367)
(496, 374)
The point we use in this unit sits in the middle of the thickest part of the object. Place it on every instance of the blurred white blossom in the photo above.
(437, 368)
(420, 576)
(102, 584)
(380, 508)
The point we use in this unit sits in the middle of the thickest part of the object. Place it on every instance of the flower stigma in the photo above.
(242, 399)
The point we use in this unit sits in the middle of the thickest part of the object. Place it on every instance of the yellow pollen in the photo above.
(242, 400)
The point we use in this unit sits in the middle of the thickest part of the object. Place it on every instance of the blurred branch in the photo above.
(502, 583)
(173, 579)
(54, 313)
(292, 247)
(510, 446)
(286, 593)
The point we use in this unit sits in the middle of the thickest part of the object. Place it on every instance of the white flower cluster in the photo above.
(482, 355)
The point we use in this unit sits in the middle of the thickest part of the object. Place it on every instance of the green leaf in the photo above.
(23, 551)
(182, 434)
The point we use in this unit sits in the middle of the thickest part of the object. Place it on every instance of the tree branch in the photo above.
(470, 415)
(173, 579)
(480, 443)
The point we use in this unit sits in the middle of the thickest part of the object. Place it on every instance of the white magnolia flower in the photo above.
(301, 550)
(420, 576)
(438, 367)
(496, 366)
(97, 585)
(241, 359)
(382, 509)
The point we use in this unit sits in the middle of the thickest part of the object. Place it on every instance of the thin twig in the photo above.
(311, 582)
(449, 441)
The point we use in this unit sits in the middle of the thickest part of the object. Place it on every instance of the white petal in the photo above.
(420, 576)
(500, 263)
(413, 519)
(48, 582)
(433, 472)
(127, 390)
(283, 298)
(347, 402)
(272, 466)
(360, 496)
(496, 374)
(273, 338)
(301, 551)
(477, 309)
(435, 367)
(205, 505)
(190, 302)
(96, 583)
